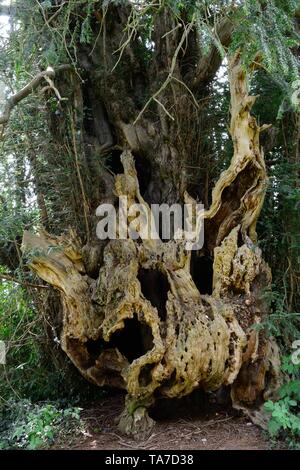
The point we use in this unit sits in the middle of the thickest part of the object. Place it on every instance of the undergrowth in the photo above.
(25, 425)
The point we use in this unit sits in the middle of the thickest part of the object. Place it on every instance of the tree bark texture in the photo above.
(148, 316)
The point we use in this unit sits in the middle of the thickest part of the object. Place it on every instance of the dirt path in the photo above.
(176, 430)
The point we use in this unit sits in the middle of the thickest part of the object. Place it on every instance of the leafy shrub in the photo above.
(285, 413)
(36, 368)
(281, 324)
(32, 426)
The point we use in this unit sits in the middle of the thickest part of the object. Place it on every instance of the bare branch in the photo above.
(8, 277)
(170, 74)
(13, 100)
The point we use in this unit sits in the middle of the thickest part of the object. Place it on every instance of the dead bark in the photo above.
(143, 325)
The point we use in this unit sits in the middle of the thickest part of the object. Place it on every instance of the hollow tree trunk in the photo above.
(145, 325)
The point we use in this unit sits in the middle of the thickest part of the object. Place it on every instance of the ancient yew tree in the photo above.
(131, 117)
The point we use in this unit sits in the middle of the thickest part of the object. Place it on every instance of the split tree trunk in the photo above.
(143, 324)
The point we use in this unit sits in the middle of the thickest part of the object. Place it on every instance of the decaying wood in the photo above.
(118, 331)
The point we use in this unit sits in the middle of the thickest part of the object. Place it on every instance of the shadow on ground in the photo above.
(195, 422)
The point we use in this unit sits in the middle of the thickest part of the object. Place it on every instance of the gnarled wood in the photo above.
(143, 324)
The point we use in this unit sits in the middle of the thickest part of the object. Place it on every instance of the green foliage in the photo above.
(282, 325)
(32, 426)
(280, 232)
(35, 366)
(284, 420)
(19, 330)
(86, 32)
(268, 29)
(279, 224)
(106, 3)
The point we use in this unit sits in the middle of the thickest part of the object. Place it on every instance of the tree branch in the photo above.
(210, 63)
(8, 277)
(27, 90)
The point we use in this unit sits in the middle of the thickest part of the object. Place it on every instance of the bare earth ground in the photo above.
(180, 427)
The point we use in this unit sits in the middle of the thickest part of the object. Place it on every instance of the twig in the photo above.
(85, 202)
(15, 99)
(56, 13)
(170, 75)
(7, 277)
(188, 89)
(164, 108)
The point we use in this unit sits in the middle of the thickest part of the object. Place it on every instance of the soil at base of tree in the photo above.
(177, 428)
